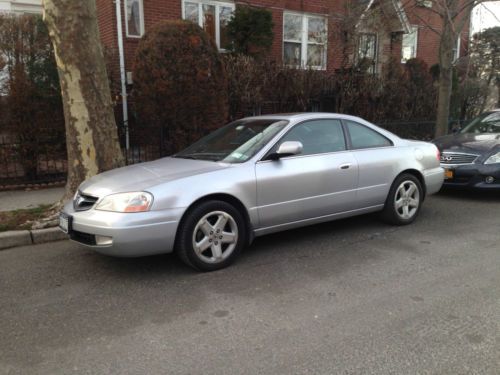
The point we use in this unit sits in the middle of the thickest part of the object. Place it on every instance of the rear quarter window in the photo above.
(363, 137)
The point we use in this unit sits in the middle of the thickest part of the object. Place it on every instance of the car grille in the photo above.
(456, 158)
(83, 202)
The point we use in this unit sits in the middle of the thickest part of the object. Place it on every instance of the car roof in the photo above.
(303, 116)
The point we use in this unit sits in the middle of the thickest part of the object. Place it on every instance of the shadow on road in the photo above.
(289, 243)
(470, 195)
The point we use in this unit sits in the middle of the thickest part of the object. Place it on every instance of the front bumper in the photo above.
(474, 176)
(131, 234)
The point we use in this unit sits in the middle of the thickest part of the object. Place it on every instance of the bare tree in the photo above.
(91, 133)
(485, 54)
(453, 16)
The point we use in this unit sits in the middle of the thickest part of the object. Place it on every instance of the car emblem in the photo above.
(447, 158)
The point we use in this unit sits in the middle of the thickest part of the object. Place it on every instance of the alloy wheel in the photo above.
(407, 199)
(215, 237)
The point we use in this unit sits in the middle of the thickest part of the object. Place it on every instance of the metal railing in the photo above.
(44, 160)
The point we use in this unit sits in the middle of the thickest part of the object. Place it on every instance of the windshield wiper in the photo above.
(206, 156)
(185, 157)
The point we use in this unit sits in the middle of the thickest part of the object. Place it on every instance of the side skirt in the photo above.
(316, 220)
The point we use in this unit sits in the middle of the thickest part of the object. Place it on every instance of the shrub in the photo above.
(32, 107)
(251, 31)
(246, 85)
(180, 84)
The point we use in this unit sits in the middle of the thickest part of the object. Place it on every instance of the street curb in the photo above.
(16, 238)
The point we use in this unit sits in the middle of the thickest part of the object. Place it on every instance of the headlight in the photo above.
(126, 202)
(495, 158)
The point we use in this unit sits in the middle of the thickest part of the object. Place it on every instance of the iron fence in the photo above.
(44, 160)
(37, 160)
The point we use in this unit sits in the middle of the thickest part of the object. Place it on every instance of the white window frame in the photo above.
(218, 5)
(141, 19)
(375, 58)
(456, 54)
(304, 39)
(414, 29)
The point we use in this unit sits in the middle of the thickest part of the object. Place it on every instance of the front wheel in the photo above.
(404, 200)
(211, 236)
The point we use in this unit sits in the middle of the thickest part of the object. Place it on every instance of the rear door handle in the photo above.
(345, 166)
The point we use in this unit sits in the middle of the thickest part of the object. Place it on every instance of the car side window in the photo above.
(364, 137)
(317, 136)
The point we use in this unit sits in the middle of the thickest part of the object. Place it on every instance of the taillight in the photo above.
(438, 154)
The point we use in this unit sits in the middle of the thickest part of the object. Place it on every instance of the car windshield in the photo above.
(234, 143)
(485, 123)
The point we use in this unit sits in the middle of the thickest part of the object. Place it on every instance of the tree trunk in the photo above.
(498, 92)
(446, 47)
(91, 133)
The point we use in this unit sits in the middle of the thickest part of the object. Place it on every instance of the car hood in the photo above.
(142, 176)
(469, 142)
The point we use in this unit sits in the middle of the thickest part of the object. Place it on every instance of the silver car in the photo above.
(255, 176)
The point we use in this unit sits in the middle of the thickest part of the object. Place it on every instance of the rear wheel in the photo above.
(211, 236)
(404, 200)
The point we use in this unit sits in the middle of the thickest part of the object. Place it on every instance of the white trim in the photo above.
(400, 12)
(304, 42)
(402, 15)
(456, 55)
(376, 51)
(141, 18)
(218, 5)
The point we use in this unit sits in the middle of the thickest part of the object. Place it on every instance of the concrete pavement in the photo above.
(21, 199)
(349, 297)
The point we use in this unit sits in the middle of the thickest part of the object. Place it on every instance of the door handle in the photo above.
(345, 166)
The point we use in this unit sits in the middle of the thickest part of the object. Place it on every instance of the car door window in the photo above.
(317, 137)
(364, 137)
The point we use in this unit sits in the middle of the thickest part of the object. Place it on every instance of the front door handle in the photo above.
(345, 166)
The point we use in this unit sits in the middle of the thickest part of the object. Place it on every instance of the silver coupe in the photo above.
(255, 176)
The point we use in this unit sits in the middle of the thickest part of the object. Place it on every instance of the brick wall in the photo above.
(157, 10)
(428, 40)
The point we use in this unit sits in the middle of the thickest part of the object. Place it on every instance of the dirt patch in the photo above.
(22, 219)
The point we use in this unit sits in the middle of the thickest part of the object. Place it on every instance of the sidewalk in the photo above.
(21, 199)
(25, 199)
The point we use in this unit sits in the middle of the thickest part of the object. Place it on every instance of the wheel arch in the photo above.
(224, 197)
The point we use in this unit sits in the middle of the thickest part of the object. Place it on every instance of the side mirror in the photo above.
(288, 148)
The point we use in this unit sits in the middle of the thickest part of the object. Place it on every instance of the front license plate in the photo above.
(64, 221)
(448, 174)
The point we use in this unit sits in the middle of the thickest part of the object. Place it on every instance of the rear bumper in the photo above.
(126, 235)
(474, 176)
(433, 180)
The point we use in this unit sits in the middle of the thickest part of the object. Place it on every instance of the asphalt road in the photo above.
(349, 297)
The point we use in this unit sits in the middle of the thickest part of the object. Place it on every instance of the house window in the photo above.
(409, 45)
(367, 52)
(211, 16)
(304, 40)
(134, 12)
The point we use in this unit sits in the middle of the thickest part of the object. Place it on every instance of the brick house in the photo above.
(306, 32)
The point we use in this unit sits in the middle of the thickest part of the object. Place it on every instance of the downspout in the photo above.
(122, 71)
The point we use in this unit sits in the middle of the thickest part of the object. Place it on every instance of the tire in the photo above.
(404, 200)
(211, 236)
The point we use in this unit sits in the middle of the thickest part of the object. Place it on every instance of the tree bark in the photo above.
(446, 47)
(91, 132)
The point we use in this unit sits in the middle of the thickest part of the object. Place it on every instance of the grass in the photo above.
(17, 219)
